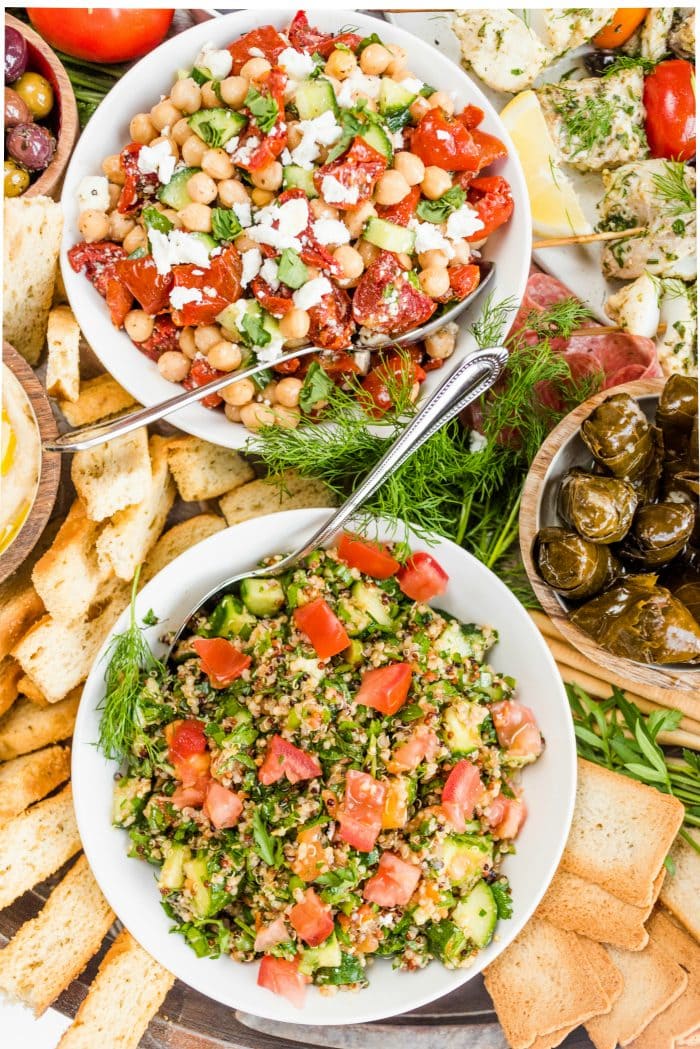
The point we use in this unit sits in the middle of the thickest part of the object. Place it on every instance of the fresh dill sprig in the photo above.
(560, 319)
(629, 62)
(585, 122)
(490, 327)
(130, 661)
(673, 190)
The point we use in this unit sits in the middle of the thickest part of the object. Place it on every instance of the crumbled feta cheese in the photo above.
(291, 219)
(242, 213)
(93, 192)
(217, 62)
(397, 139)
(297, 64)
(331, 231)
(269, 273)
(412, 84)
(311, 293)
(171, 249)
(232, 145)
(270, 352)
(444, 136)
(334, 192)
(477, 441)
(358, 84)
(429, 238)
(463, 222)
(179, 297)
(320, 131)
(244, 153)
(286, 157)
(252, 261)
(158, 160)
(256, 52)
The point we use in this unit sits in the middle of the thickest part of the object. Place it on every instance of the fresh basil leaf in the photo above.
(254, 331)
(351, 126)
(291, 270)
(263, 108)
(269, 849)
(316, 387)
(261, 379)
(502, 896)
(225, 224)
(155, 219)
(366, 41)
(438, 210)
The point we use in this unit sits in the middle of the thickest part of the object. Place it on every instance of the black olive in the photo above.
(596, 62)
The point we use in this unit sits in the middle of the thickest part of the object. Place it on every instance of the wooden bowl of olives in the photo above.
(40, 115)
(610, 531)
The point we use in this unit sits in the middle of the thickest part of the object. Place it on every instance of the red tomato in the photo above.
(222, 806)
(669, 101)
(137, 188)
(516, 728)
(282, 976)
(620, 27)
(311, 919)
(270, 935)
(219, 286)
(190, 797)
(422, 578)
(490, 148)
(119, 301)
(165, 336)
(360, 815)
(371, 558)
(201, 372)
(422, 745)
(357, 169)
(403, 212)
(506, 816)
(461, 792)
(444, 142)
(491, 198)
(284, 759)
(150, 288)
(221, 661)
(102, 34)
(386, 301)
(322, 627)
(330, 322)
(463, 280)
(185, 738)
(269, 149)
(312, 253)
(304, 37)
(471, 116)
(265, 38)
(386, 688)
(394, 882)
(98, 261)
(275, 302)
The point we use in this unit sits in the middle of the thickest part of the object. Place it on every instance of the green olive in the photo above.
(16, 179)
(36, 92)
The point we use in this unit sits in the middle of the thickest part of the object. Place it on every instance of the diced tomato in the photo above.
(165, 336)
(312, 253)
(97, 261)
(471, 116)
(222, 806)
(386, 301)
(275, 302)
(201, 372)
(330, 322)
(444, 142)
(270, 935)
(337, 363)
(221, 661)
(282, 976)
(422, 745)
(461, 793)
(304, 37)
(311, 858)
(381, 381)
(351, 40)
(149, 287)
(284, 759)
(311, 919)
(371, 558)
(490, 148)
(138, 188)
(491, 198)
(360, 815)
(219, 285)
(187, 751)
(401, 214)
(357, 169)
(119, 301)
(422, 578)
(189, 797)
(185, 738)
(516, 728)
(463, 280)
(386, 688)
(506, 816)
(264, 38)
(269, 149)
(394, 882)
(322, 627)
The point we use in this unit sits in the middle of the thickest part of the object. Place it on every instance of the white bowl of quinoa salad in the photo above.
(180, 263)
(261, 802)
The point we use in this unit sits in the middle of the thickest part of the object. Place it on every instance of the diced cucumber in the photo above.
(231, 318)
(355, 619)
(377, 138)
(325, 956)
(314, 97)
(262, 597)
(465, 857)
(389, 236)
(172, 875)
(294, 177)
(354, 653)
(393, 98)
(207, 240)
(373, 600)
(231, 619)
(476, 915)
(462, 722)
(195, 871)
(128, 800)
(175, 194)
(217, 126)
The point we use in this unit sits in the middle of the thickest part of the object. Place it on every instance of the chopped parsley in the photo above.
(264, 108)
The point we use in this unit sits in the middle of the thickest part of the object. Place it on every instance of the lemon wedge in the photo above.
(556, 209)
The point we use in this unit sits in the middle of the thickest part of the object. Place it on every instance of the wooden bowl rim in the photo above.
(673, 679)
(67, 113)
(50, 472)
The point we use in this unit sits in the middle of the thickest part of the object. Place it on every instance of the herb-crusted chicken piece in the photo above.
(654, 33)
(681, 39)
(500, 48)
(569, 27)
(597, 122)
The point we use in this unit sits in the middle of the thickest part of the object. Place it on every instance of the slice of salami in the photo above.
(386, 301)
(618, 354)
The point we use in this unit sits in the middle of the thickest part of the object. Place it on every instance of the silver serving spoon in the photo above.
(473, 377)
(97, 433)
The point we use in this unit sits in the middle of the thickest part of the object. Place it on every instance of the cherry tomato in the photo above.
(98, 262)
(490, 148)
(444, 142)
(357, 170)
(282, 976)
(461, 792)
(491, 198)
(421, 744)
(222, 806)
(275, 302)
(394, 882)
(463, 280)
(422, 578)
(201, 372)
(284, 759)
(516, 728)
(401, 214)
(222, 662)
(322, 627)
(386, 301)
(669, 100)
(219, 285)
(311, 919)
(386, 688)
(102, 34)
(620, 27)
(185, 738)
(150, 288)
(265, 38)
(360, 815)
(371, 558)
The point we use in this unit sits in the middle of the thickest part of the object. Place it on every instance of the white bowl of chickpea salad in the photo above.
(230, 264)
(291, 801)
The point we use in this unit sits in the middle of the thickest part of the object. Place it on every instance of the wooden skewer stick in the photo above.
(608, 329)
(589, 238)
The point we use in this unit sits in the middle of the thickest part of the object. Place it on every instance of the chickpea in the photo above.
(374, 59)
(210, 99)
(187, 343)
(196, 218)
(350, 261)
(233, 91)
(119, 226)
(320, 210)
(418, 108)
(239, 393)
(391, 188)
(115, 193)
(340, 64)
(287, 418)
(435, 281)
(397, 66)
(255, 416)
(232, 413)
(171, 143)
(436, 181)
(405, 260)
(267, 394)
(141, 128)
(261, 197)
(356, 218)
(218, 164)
(135, 239)
(193, 150)
(93, 225)
(171, 216)
(268, 178)
(441, 100)
(245, 243)
(433, 258)
(201, 188)
(186, 95)
(173, 366)
(232, 191)
(112, 168)
(294, 325)
(164, 114)
(255, 68)
(294, 134)
(206, 336)
(369, 252)
(441, 344)
(225, 356)
(138, 325)
(410, 166)
(288, 391)
(180, 131)
(462, 251)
